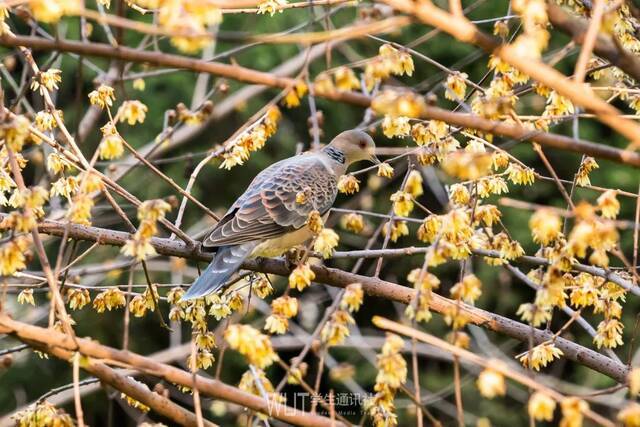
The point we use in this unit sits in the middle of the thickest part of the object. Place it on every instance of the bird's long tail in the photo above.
(224, 264)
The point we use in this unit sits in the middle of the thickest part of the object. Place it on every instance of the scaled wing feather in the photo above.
(268, 208)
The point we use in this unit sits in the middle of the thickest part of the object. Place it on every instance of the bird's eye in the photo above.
(363, 144)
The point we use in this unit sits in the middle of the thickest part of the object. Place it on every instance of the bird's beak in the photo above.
(373, 158)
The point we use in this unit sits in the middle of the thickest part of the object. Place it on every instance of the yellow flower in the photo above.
(325, 242)
(314, 222)
(271, 6)
(205, 341)
(413, 185)
(487, 214)
(586, 293)
(402, 203)
(468, 290)
(296, 375)
(16, 133)
(55, 163)
(609, 334)
(133, 402)
(253, 345)
(78, 298)
(456, 86)
(540, 356)
(64, 187)
(352, 298)
(558, 105)
(45, 121)
(573, 409)
(520, 175)
(12, 256)
(261, 286)
(43, 413)
(111, 147)
(353, 222)
(395, 61)
(102, 97)
(392, 368)
(285, 306)
(582, 176)
(233, 158)
(397, 229)
(396, 126)
(630, 415)
(26, 297)
(47, 80)
(534, 314)
(609, 204)
(545, 226)
(459, 339)
(138, 84)
(291, 99)
(257, 383)
(422, 281)
(153, 209)
(323, 84)
(301, 198)
(133, 112)
(220, 305)
(336, 330)
(455, 317)
(465, 165)
(204, 360)
(346, 79)
(348, 184)
(492, 185)
(138, 306)
(301, 277)
(541, 407)
(499, 160)
(459, 194)
(429, 229)
(491, 384)
(276, 324)
(385, 170)
(80, 209)
(109, 299)
(91, 182)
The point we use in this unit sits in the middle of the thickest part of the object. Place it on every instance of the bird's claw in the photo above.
(295, 255)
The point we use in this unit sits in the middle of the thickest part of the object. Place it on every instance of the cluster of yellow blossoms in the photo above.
(43, 414)
(238, 152)
(392, 373)
(253, 345)
(149, 213)
(336, 330)
(282, 309)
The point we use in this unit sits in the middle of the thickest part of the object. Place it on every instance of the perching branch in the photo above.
(372, 286)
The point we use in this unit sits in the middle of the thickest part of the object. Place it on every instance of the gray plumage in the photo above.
(266, 220)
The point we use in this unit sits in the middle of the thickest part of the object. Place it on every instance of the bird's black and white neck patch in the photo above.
(335, 154)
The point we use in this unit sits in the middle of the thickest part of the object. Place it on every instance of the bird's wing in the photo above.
(268, 207)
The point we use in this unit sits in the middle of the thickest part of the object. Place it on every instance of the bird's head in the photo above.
(352, 146)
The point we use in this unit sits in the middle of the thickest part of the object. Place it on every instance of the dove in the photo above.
(270, 218)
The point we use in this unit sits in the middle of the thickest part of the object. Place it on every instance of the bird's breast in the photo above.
(278, 246)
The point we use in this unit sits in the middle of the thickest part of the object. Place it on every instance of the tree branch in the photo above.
(247, 75)
(60, 345)
(372, 286)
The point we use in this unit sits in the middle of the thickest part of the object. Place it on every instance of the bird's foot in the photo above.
(296, 255)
